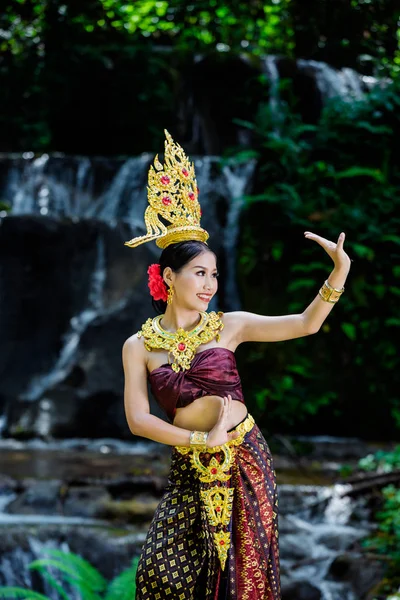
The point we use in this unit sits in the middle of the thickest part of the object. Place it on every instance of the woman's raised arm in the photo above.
(250, 327)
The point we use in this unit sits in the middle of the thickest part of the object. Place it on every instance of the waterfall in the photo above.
(112, 192)
(76, 187)
(331, 82)
(270, 67)
(237, 183)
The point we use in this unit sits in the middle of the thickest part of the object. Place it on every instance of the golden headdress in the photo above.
(173, 195)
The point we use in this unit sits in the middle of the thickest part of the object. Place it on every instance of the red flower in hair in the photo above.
(156, 283)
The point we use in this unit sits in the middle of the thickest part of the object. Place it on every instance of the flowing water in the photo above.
(318, 522)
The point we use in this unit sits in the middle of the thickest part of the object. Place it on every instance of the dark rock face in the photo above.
(103, 548)
(48, 276)
(41, 497)
(362, 572)
(72, 293)
(300, 590)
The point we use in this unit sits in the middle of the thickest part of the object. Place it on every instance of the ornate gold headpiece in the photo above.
(173, 195)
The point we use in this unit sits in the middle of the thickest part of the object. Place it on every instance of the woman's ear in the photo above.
(167, 276)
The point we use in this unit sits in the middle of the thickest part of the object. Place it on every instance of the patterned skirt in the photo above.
(214, 535)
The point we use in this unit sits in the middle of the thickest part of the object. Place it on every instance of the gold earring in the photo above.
(171, 292)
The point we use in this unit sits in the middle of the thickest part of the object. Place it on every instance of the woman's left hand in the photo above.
(335, 251)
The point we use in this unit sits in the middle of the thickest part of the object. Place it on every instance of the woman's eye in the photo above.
(203, 272)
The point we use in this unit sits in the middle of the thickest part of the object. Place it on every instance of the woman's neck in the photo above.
(175, 319)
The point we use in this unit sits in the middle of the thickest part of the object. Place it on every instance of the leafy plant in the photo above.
(385, 539)
(75, 572)
(341, 174)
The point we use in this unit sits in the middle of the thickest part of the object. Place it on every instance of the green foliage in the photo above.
(197, 26)
(382, 461)
(55, 54)
(385, 539)
(4, 206)
(339, 175)
(75, 572)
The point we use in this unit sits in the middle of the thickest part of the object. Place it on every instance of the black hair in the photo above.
(176, 256)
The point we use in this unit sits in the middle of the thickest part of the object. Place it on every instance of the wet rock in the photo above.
(86, 501)
(324, 448)
(295, 546)
(120, 473)
(300, 590)
(362, 572)
(136, 509)
(340, 537)
(52, 266)
(41, 497)
(108, 550)
(7, 484)
(120, 488)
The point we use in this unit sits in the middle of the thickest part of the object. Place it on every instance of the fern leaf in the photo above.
(85, 570)
(123, 586)
(47, 562)
(17, 592)
(85, 590)
(54, 583)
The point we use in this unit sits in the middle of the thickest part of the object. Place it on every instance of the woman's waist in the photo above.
(203, 413)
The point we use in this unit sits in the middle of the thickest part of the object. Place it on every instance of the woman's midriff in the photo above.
(203, 413)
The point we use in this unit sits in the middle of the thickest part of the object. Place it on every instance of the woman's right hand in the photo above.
(219, 434)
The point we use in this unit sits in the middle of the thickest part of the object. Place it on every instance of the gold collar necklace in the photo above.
(181, 344)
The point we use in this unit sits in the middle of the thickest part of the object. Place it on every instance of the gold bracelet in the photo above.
(329, 293)
(198, 438)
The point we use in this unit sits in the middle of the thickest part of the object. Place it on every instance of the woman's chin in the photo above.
(203, 304)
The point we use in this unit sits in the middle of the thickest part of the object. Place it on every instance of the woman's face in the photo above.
(196, 283)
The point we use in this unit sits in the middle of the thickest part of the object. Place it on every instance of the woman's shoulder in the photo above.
(233, 324)
(233, 319)
(134, 347)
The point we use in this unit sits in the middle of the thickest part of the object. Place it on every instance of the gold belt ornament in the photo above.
(218, 500)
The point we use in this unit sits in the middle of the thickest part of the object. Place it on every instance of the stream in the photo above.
(97, 497)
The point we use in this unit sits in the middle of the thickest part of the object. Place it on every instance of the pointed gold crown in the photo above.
(173, 195)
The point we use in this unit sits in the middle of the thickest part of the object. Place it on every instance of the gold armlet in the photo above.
(329, 293)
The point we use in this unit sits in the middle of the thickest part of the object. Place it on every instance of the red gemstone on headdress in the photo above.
(191, 195)
(218, 508)
(221, 543)
(166, 200)
(181, 346)
(185, 172)
(214, 471)
(165, 180)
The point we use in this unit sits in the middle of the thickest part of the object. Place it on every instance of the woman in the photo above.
(214, 534)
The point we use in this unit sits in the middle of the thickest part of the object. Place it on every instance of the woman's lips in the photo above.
(204, 298)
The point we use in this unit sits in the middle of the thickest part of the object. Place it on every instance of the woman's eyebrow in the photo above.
(205, 268)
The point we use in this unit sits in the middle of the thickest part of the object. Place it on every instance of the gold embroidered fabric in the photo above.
(218, 499)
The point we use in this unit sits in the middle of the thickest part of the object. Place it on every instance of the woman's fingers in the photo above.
(340, 241)
(324, 242)
(319, 239)
(225, 409)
